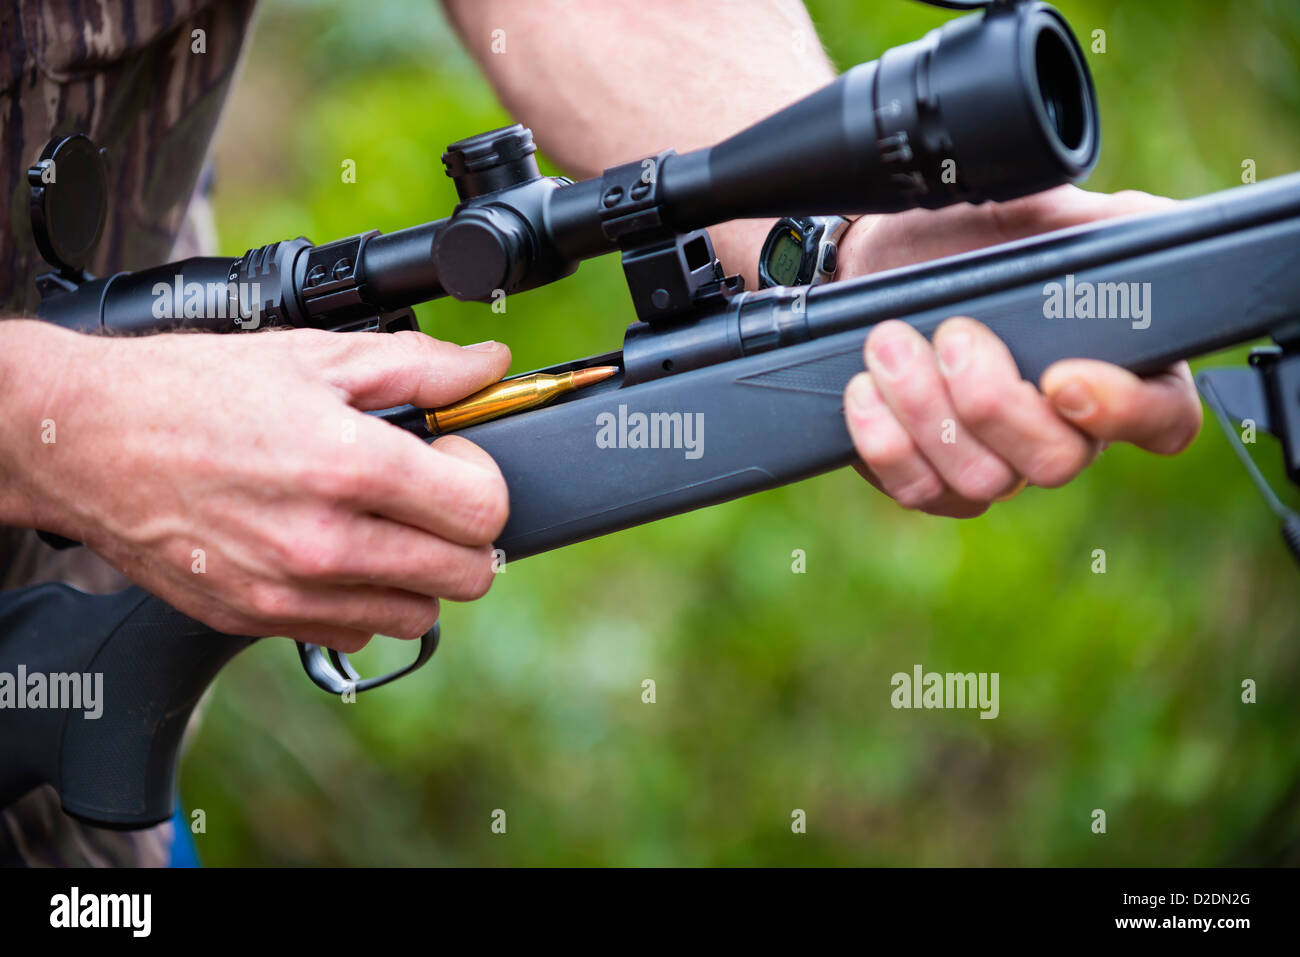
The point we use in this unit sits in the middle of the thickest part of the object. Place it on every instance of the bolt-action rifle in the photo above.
(991, 106)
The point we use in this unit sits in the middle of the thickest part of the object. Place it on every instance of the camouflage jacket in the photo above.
(146, 79)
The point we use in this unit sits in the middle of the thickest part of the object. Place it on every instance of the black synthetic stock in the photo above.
(117, 770)
(1222, 269)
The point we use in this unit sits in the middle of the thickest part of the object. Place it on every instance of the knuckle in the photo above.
(299, 342)
(982, 479)
(340, 478)
(919, 405)
(920, 492)
(1167, 445)
(1139, 199)
(482, 578)
(1015, 216)
(1056, 465)
(472, 579)
(410, 339)
(349, 644)
(413, 622)
(426, 619)
(354, 344)
(1175, 440)
(272, 603)
(345, 641)
(395, 378)
(409, 354)
(985, 403)
(484, 510)
(886, 449)
(315, 556)
(980, 404)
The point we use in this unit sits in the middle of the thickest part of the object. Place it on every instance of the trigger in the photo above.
(331, 670)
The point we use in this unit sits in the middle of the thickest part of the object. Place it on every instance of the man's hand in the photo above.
(236, 478)
(949, 427)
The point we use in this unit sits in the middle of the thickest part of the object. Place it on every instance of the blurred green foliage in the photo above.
(1119, 691)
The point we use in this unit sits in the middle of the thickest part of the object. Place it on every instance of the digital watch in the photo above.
(801, 252)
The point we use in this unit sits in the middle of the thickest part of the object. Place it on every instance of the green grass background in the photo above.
(1118, 691)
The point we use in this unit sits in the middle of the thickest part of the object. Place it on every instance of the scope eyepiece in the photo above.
(1065, 93)
(991, 106)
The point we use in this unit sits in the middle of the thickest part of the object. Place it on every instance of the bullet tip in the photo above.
(586, 377)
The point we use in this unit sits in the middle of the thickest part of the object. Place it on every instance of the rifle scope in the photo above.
(985, 108)
(991, 106)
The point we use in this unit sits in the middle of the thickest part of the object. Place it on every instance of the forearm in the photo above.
(607, 82)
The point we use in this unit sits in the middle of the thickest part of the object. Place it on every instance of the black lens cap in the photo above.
(69, 201)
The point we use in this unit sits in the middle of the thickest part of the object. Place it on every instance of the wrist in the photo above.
(40, 371)
(738, 244)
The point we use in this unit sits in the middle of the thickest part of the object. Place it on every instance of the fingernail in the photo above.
(894, 354)
(486, 346)
(954, 351)
(1074, 399)
(858, 397)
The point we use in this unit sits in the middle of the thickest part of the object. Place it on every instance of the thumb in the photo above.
(1160, 413)
(379, 370)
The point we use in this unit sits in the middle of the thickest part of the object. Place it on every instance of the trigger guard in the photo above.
(332, 672)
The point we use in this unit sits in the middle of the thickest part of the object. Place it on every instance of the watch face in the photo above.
(784, 262)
